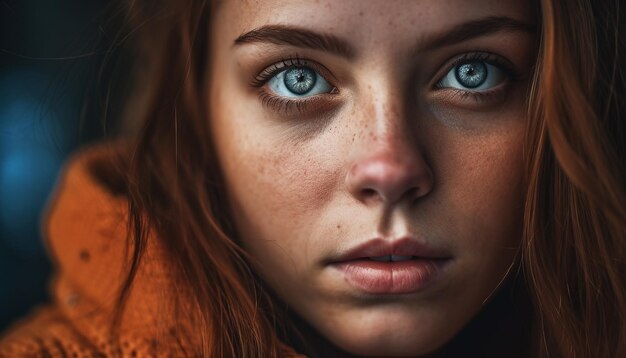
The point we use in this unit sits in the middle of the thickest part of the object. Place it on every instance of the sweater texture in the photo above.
(86, 236)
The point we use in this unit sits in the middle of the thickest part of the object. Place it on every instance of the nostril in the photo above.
(371, 194)
(414, 194)
(368, 193)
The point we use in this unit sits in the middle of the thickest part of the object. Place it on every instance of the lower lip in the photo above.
(399, 277)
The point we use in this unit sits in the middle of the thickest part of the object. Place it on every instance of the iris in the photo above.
(471, 74)
(300, 80)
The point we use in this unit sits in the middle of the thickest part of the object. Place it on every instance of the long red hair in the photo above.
(573, 248)
(574, 238)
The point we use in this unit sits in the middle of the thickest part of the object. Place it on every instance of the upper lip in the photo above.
(399, 247)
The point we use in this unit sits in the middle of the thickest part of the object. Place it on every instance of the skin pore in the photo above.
(387, 144)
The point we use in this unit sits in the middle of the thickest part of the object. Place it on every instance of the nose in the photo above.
(389, 171)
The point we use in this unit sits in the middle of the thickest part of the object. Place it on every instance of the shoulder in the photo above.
(48, 332)
(45, 333)
(86, 235)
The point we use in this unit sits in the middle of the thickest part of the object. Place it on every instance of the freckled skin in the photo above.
(389, 162)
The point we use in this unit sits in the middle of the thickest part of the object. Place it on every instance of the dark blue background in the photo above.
(49, 53)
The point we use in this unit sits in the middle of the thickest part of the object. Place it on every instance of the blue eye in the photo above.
(298, 82)
(474, 75)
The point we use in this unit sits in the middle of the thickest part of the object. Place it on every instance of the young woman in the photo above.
(353, 178)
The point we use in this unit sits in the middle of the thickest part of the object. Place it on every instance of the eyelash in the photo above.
(260, 79)
(282, 104)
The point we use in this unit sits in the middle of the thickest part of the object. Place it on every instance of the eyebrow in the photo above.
(476, 28)
(299, 37)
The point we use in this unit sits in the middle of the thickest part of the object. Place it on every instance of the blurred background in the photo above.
(51, 52)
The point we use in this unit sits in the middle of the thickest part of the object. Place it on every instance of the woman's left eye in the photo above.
(297, 82)
(473, 76)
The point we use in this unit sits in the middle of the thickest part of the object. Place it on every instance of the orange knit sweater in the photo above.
(86, 231)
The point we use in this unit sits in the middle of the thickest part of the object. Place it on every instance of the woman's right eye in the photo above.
(298, 82)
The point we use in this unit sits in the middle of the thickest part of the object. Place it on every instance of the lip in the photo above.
(380, 247)
(391, 277)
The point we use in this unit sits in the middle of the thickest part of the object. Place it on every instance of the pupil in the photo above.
(471, 74)
(300, 80)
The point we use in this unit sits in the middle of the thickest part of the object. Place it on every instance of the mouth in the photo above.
(392, 258)
(382, 267)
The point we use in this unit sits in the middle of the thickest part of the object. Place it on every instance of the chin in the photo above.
(375, 346)
(390, 337)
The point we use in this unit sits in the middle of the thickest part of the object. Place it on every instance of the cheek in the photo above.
(480, 167)
(277, 187)
(495, 187)
(277, 199)
(274, 186)
(483, 197)
(266, 172)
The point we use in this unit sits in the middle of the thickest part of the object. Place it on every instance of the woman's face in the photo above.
(372, 152)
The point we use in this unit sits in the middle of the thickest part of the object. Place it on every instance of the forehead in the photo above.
(367, 20)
